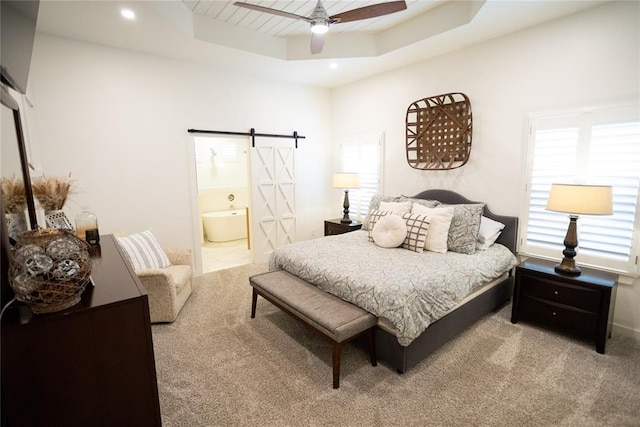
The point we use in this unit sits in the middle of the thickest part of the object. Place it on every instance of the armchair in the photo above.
(168, 288)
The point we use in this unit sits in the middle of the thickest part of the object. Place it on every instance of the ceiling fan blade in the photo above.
(272, 11)
(367, 12)
(317, 42)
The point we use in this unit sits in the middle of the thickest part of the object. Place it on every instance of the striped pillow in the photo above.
(143, 251)
(417, 229)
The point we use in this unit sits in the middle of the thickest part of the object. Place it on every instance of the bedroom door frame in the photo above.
(272, 194)
(196, 218)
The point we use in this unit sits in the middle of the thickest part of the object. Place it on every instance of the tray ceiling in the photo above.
(217, 32)
(222, 22)
(226, 11)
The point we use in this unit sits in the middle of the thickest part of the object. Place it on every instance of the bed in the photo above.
(422, 298)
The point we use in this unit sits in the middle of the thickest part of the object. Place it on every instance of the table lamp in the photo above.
(346, 181)
(577, 200)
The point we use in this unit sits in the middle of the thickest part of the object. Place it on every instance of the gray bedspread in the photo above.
(409, 289)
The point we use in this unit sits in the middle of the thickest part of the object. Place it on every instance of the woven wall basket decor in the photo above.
(439, 132)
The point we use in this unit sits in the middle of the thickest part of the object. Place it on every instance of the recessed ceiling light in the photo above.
(128, 14)
(333, 65)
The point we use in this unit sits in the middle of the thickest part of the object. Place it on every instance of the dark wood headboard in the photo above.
(508, 237)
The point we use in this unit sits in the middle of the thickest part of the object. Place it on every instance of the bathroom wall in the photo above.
(221, 162)
(217, 199)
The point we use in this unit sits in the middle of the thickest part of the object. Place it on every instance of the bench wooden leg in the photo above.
(254, 300)
(337, 348)
(371, 340)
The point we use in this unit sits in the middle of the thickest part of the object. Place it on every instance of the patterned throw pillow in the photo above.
(374, 205)
(143, 251)
(417, 229)
(464, 229)
(422, 202)
(374, 217)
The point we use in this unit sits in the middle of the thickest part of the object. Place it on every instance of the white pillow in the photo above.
(397, 208)
(489, 232)
(143, 251)
(417, 229)
(440, 219)
(389, 231)
(374, 205)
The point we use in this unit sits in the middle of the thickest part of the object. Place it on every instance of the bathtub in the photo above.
(224, 226)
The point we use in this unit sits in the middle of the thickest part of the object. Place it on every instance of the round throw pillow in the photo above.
(389, 231)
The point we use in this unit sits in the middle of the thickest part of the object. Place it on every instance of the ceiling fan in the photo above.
(320, 19)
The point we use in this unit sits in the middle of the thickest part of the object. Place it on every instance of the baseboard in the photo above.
(625, 331)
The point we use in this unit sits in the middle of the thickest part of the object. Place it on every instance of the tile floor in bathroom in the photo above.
(218, 256)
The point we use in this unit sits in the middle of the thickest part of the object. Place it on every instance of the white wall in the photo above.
(583, 59)
(117, 120)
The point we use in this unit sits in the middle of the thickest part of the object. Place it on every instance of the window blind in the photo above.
(590, 148)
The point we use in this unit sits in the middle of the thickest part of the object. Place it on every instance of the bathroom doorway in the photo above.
(222, 175)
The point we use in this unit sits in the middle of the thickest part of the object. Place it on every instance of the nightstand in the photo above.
(334, 226)
(580, 305)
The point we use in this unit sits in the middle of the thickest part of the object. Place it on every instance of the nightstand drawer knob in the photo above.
(555, 292)
(554, 313)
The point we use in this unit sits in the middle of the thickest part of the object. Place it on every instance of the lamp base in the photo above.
(345, 218)
(567, 270)
(568, 264)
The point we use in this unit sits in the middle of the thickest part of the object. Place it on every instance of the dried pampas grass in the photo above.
(52, 192)
(15, 199)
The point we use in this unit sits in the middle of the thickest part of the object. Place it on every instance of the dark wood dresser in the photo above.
(335, 226)
(581, 305)
(89, 365)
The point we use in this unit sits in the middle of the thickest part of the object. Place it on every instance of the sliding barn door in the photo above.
(273, 201)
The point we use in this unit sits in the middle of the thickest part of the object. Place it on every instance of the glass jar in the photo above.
(87, 226)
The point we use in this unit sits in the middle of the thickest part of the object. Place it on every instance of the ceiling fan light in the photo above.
(319, 27)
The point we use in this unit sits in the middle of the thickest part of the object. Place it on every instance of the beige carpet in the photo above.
(218, 367)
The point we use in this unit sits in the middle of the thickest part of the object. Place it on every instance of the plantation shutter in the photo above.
(597, 147)
(362, 156)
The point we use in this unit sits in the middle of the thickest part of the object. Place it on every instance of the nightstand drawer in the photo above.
(564, 315)
(563, 293)
(332, 231)
(336, 226)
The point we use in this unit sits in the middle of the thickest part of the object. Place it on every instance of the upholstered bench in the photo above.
(335, 319)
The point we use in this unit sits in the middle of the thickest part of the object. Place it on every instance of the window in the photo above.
(230, 150)
(586, 147)
(362, 155)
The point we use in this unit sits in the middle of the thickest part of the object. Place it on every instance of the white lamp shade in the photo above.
(580, 199)
(346, 180)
